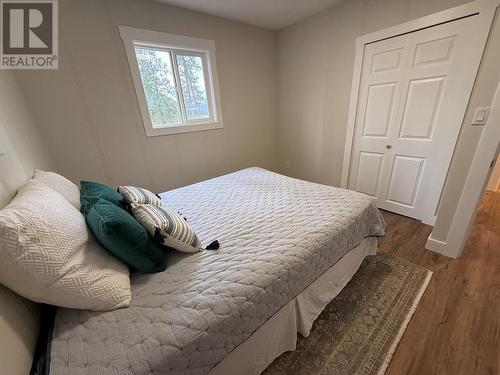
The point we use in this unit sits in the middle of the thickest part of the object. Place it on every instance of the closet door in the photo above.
(377, 112)
(413, 92)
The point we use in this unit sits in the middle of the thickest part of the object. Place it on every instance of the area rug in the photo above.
(359, 330)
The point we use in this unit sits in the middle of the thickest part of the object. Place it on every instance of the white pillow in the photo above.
(48, 255)
(62, 185)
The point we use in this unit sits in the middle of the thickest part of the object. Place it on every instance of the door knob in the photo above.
(388, 147)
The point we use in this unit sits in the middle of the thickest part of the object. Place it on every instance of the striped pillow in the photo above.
(137, 195)
(167, 226)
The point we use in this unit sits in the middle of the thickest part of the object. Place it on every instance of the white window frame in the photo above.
(175, 44)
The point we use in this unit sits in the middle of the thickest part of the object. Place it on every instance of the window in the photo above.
(175, 81)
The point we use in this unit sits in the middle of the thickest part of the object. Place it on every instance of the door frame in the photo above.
(485, 9)
(474, 188)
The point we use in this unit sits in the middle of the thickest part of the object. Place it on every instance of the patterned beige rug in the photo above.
(359, 330)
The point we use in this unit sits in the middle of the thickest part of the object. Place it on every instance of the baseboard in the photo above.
(437, 246)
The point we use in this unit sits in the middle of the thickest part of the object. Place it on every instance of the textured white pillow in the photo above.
(62, 185)
(47, 254)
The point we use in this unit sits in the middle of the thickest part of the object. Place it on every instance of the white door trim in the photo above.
(483, 8)
(474, 187)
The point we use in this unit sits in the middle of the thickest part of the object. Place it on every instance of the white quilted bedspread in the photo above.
(277, 235)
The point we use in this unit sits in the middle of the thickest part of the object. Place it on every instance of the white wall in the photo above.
(315, 63)
(20, 139)
(88, 110)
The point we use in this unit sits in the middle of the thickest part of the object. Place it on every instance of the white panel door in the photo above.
(413, 92)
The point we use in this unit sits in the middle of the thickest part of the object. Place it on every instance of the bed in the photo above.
(287, 248)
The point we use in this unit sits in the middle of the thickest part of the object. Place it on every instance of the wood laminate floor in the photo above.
(456, 327)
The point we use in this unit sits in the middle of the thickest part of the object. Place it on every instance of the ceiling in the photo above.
(270, 14)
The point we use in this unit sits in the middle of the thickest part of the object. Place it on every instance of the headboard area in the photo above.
(19, 318)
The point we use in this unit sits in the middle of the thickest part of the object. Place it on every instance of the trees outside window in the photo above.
(175, 79)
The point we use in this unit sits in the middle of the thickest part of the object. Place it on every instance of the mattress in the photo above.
(277, 235)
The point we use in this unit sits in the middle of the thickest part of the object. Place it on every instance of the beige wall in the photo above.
(89, 114)
(20, 140)
(315, 64)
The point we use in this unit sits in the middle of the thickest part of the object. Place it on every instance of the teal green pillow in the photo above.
(123, 236)
(97, 190)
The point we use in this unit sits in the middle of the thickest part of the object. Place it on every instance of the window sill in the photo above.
(188, 128)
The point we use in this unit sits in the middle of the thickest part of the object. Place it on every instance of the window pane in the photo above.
(159, 86)
(193, 86)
